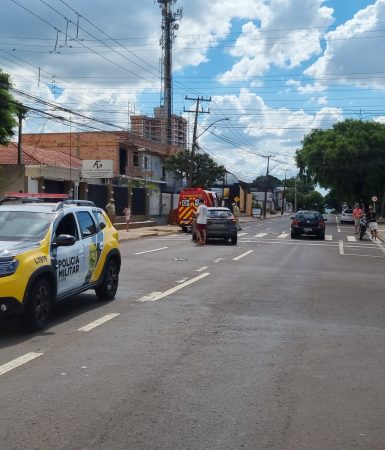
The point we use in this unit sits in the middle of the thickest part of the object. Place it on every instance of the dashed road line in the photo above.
(259, 235)
(98, 322)
(201, 269)
(218, 260)
(341, 247)
(19, 362)
(150, 251)
(174, 289)
(242, 234)
(283, 235)
(237, 258)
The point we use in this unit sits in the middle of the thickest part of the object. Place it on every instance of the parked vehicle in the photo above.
(188, 204)
(308, 223)
(363, 226)
(51, 251)
(347, 216)
(221, 224)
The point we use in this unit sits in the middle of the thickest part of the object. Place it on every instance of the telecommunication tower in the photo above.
(169, 26)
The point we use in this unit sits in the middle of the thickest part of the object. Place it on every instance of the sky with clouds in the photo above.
(275, 68)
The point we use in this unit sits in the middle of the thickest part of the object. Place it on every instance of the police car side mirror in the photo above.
(102, 225)
(64, 240)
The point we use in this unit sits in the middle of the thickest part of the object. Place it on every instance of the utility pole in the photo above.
(267, 178)
(283, 193)
(169, 26)
(20, 144)
(198, 100)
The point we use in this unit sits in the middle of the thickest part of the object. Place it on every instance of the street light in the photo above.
(195, 145)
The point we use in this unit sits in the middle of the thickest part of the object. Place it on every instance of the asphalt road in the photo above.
(275, 343)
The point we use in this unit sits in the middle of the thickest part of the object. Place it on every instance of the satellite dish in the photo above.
(176, 26)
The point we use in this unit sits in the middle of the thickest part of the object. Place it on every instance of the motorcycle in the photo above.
(363, 227)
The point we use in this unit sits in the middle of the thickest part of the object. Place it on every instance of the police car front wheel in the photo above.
(107, 289)
(38, 307)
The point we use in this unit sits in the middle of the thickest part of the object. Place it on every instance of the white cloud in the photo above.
(283, 39)
(354, 53)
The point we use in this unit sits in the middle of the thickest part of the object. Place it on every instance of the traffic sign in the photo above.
(374, 198)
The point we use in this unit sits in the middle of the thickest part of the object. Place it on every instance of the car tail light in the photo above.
(295, 222)
(321, 224)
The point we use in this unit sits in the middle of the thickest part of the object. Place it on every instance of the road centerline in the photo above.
(174, 289)
(19, 362)
(98, 322)
(237, 258)
(150, 251)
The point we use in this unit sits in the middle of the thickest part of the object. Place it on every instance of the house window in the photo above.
(135, 159)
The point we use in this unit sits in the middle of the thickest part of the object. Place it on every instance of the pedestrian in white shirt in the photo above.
(201, 225)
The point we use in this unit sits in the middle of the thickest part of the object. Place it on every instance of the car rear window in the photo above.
(219, 214)
(308, 216)
(348, 211)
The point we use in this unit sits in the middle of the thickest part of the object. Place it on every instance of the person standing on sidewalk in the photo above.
(201, 224)
(111, 211)
(127, 215)
(236, 214)
(372, 217)
(357, 213)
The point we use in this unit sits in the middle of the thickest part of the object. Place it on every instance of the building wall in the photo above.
(12, 178)
(81, 145)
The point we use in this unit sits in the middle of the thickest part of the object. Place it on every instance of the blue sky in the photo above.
(275, 68)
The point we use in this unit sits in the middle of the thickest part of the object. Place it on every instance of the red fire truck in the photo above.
(188, 204)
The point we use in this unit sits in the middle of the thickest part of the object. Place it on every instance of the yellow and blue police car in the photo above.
(51, 251)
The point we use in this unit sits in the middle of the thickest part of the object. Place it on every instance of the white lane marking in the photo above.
(218, 260)
(328, 237)
(150, 251)
(176, 288)
(98, 322)
(201, 269)
(177, 281)
(18, 362)
(242, 234)
(341, 246)
(351, 238)
(268, 222)
(149, 297)
(246, 228)
(380, 246)
(283, 235)
(267, 228)
(366, 256)
(261, 235)
(243, 255)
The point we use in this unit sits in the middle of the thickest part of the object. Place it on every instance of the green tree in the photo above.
(205, 171)
(9, 109)
(349, 158)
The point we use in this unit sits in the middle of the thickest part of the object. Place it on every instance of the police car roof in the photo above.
(45, 207)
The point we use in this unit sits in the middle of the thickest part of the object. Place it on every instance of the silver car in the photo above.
(347, 216)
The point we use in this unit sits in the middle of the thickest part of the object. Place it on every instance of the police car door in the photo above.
(88, 233)
(69, 260)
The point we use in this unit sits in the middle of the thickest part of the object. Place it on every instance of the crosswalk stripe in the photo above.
(261, 235)
(242, 234)
(328, 237)
(283, 235)
(351, 238)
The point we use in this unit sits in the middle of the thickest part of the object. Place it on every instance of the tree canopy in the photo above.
(205, 171)
(9, 108)
(349, 159)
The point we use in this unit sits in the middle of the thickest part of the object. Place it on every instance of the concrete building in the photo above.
(153, 128)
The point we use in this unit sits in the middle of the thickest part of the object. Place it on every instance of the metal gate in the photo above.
(138, 202)
(97, 193)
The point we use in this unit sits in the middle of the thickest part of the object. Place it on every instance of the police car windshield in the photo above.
(27, 226)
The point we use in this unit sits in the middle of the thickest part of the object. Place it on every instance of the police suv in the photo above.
(50, 251)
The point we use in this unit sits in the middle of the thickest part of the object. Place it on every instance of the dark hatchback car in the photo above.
(309, 223)
(220, 225)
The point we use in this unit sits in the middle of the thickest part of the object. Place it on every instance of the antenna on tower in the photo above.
(169, 26)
